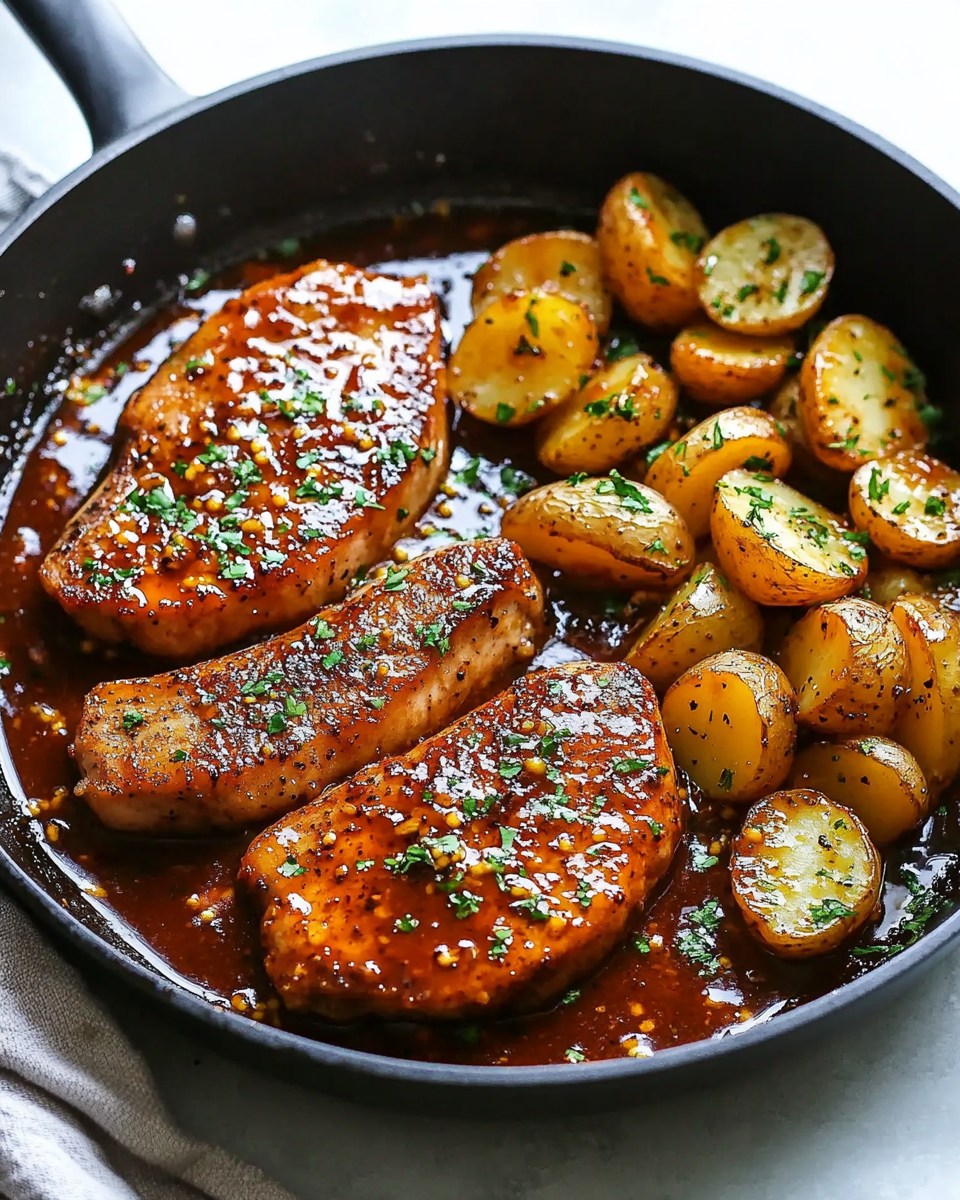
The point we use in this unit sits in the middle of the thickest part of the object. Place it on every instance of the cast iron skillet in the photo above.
(372, 132)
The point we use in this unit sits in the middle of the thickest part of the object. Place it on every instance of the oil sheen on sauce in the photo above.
(687, 972)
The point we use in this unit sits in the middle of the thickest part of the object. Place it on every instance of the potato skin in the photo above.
(804, 873)
(687, 473)
(731, 723)
(562, 261)
(909, 504)
(854, 403)
(649, 237)
(874, 777)
(703, 616)
(607, 531)
(780, 547)
(722, 368)
(888, 581)
(623, 408)
(847, 661)
(928, 713)
(766, 275)
(521, 357)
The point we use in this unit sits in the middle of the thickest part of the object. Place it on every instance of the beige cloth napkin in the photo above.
(80, 1117)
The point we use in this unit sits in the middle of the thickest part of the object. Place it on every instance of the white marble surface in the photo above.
(866, 1113)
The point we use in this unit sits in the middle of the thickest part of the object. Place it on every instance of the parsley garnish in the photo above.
(290, 867)
(131, 719)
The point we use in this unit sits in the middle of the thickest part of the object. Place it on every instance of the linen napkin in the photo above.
(80, 1117)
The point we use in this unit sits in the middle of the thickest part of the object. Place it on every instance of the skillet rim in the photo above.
(556, 1077)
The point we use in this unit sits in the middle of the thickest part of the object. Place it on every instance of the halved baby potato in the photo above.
(562, 261)
(649, 238)
(626, 406)
(607, 532)
(846, 661)
(910, 506)
(766, 275)
(780, 547)
(521, 357)
(687, 473)
(718, 367)
(877, 779)
(860, 394)
(805, 874)
(928, 714)
(703, 616)
(731, 723)
(887, 581)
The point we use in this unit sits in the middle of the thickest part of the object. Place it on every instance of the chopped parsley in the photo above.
(631, 497)
(131, 719)
(405, 924)
(504, 413)
(811, 281)
(702, 860)
(726, 780)
(828, 911)
(290, 867)
(934, 507)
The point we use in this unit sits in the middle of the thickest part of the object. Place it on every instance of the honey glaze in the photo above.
(688, 971)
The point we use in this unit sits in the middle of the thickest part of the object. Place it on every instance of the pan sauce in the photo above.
(690, 971)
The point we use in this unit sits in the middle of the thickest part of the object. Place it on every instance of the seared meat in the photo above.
(245, 737)
(486, 869)
(289, 442)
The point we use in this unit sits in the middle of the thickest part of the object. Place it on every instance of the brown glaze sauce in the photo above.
(174, 900)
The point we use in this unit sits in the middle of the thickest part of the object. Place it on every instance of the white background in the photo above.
(869, 1112)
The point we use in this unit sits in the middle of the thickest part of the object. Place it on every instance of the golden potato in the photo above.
(860, 395)
(703, 616)
(562, 261)
(887, 581)
(607, 532)
(846, 661)
(688, 472)
(781, 548)
(805, 874)
(521, 357)
(649, 238)
(909, 504)
(718, 367)
(731, 723)
(875, 778)
(766, 275)
(928, 715)
(624, 407)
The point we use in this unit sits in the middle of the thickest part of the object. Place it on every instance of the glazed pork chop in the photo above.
(289, 442)
(242, 738)
(483, 871)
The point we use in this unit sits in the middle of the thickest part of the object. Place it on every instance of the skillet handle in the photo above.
(114, 80)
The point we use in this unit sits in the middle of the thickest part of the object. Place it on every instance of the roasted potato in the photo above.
(703, 616)
(718, 367)
(781, 548)
(928, 714)
(860, 395)
(521, 357)
(688, 472)
(563, 262)
(877, 779)
(607, 532)
(766, 275)
(626, 406)
(846, 661)
(909, 504)
(804, 872)
(887, 581)
(731, 723)
(649, 238)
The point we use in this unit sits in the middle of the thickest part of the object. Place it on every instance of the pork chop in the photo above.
(483, 871)
(289, 442)
(242, 738)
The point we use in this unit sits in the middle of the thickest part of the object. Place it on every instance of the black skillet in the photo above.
(372, 132)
